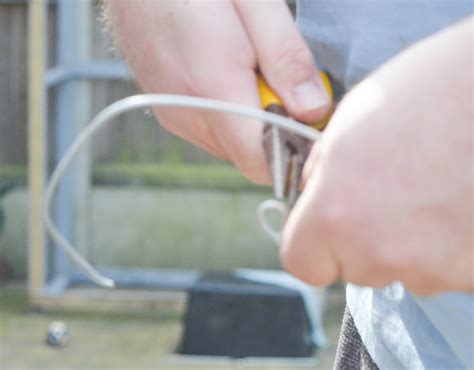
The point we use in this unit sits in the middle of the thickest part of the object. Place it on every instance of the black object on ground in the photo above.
(4, 188)
(233, 317)
(6, 270)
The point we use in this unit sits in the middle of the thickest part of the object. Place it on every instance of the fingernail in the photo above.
(309, 96)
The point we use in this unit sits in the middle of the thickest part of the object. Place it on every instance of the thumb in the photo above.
(284, 58)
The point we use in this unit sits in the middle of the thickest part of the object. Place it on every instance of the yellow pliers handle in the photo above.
(269, 98)
(286, 152)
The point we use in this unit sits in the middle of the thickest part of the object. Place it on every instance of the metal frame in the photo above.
(50, 283)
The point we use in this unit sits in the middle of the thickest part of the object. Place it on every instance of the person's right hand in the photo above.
(212, 49)
(389, 188)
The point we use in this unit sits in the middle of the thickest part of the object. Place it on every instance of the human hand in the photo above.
(389, 190)
(212, 49)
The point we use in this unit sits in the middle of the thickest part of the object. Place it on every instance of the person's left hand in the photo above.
(211, 49)
(389, 190)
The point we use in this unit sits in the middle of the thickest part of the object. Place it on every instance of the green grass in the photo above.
(110, 341)
(177, 175)
(12, 174)
(212, 176)
(98, 341)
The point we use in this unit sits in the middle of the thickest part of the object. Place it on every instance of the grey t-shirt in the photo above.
(349, 39)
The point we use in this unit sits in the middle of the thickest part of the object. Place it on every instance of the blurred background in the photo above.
(153, 212)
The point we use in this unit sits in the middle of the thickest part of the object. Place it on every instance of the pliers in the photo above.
(285, 152)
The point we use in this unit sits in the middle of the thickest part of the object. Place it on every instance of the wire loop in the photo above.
(148, 101)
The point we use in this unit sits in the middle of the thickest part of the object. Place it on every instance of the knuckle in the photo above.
(387, 261)
(382, 258)
(252, 166)
(335, 219)
(294, 61)
(422, 287)
(225, 78)
(289, 262)
(425, 280)
(254, 172)
(300, 258)
(382, 264)
(196, 85)
(345, 226)
(243, 56)
(292, 263)
(291, 252)
(205, 85)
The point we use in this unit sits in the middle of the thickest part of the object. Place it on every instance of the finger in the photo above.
(284, 58)
(228, 136)
(240, 137)
(158, 72)
(191, 126)
(304, 253)
(226, 73)
(309, 166)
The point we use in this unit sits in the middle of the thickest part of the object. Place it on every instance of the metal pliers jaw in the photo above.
(286, 154)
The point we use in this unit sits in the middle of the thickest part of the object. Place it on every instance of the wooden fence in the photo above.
(133, 138)
(13, 82)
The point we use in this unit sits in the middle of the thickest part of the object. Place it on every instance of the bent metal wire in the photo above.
(162, 100)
